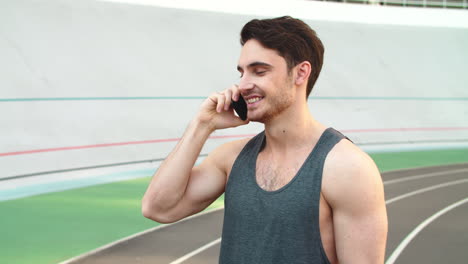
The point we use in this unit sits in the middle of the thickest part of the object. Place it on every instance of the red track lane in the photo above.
(218, 137)
(110, 145)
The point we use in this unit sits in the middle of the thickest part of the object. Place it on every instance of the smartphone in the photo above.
(240, 107)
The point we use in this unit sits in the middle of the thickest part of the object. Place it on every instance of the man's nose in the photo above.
(245, 85)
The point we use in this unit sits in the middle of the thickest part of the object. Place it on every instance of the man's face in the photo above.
(265, 83)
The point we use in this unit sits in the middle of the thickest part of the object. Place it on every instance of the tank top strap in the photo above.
(253, 146)
(314, 165)
(245, 161)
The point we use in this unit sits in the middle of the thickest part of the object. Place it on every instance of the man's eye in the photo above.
(260, 72)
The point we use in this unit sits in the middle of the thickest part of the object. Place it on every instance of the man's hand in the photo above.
(216, 111)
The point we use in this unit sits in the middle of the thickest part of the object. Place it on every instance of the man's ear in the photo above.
(303, 70)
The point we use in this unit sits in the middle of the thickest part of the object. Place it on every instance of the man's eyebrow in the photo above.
(255, 64)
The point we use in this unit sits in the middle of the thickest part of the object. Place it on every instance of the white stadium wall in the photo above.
(92, 83)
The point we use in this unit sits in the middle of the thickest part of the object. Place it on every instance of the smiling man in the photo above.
(298, 192)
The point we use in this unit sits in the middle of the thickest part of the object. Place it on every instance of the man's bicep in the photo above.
(206, 182)
(360, 237)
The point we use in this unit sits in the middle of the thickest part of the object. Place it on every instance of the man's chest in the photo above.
(272, 174)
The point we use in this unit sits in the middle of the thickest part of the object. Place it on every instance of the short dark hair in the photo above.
(293, 39)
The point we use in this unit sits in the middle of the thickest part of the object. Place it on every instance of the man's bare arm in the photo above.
(354, 190)
(177, 189)
(170, 181)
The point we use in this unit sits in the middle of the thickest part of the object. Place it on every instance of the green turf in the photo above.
(53, 227)
(412, 159)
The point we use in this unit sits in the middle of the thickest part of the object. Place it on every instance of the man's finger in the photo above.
(235, 92)
(221, 100)
(227, 103)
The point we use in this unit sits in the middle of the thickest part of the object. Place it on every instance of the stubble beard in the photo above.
(278, 103)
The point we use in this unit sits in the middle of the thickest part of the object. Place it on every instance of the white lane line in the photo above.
(396, 253)
(428, 175)
(430, 188)
(195, 252)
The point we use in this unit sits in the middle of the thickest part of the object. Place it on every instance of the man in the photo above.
(298, 192)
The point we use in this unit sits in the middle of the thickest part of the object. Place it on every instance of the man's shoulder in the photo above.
(235, 146)
(225, 154)
(345, 155)
(348, 171)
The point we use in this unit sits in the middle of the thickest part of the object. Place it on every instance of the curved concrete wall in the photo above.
(79, 74)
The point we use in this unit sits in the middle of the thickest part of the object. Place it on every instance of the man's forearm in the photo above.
(170, 181)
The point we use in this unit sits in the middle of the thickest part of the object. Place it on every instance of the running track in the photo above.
(428, 223)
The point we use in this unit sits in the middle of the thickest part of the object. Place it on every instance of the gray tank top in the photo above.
(282, 226)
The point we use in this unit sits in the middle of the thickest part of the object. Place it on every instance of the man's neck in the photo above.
(294, 129)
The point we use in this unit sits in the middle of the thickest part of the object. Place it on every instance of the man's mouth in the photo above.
(254, 99)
